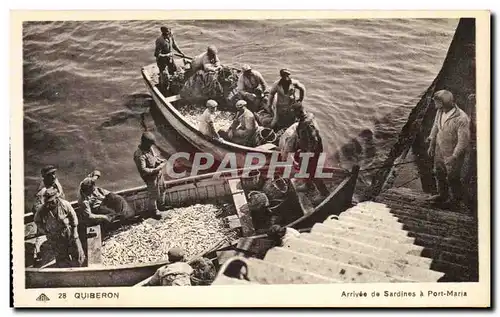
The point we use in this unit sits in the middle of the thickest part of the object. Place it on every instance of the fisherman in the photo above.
(206, 121)
(100, 205)
(448, 142)
(242, 130)
(150, 166)
(207, 61)
(309, 141)
(58, 221)
(249, 81)
(163, 51)
(49, 180)
(204, 272)
(280, 235)
(285, 89)
(176, 273)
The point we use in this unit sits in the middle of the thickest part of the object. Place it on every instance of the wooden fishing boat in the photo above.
(228, 187)
(166, 110)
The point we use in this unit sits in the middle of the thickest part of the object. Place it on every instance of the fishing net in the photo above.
(210, 85)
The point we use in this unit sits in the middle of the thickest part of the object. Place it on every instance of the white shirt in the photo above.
(206, 119)
(446, 115)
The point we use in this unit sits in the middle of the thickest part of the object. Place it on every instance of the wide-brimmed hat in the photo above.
(48, 170)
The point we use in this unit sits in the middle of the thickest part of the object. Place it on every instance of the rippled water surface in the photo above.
(83, 91)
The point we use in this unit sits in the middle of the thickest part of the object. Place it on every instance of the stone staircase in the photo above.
(398, 238)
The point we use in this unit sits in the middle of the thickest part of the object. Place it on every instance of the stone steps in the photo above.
(398, 238)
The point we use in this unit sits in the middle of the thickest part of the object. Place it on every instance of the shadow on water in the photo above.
(137, 105)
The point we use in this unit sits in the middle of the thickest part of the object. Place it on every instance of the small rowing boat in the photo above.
(167, 108)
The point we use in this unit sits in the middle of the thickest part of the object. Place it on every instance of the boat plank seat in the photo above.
(94, 244)
(241, 205)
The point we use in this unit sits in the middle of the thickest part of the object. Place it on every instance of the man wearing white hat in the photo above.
(448, 142)
(244, 126)
(206, 121)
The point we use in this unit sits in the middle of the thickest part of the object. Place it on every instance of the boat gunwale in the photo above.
(212, 248)
(225, 144)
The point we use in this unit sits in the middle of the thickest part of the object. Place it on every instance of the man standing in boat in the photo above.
(58, 221)
(285, 89)
(207, 61)
(49, 180)
(309, 141)
(448, 143)
(150, 166)
(163, 51)
(249, 83)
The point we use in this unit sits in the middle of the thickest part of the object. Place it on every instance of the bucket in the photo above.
(276, 188)
(265, 135)
(275, 204)
(252, 181)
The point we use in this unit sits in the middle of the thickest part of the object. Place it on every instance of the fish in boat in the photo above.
(166, 108)
(232, 187)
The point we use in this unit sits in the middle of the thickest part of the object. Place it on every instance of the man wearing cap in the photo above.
(163, 50)
(206, 121)
(207, 61)
(58, 221)
(248, 83)
(448, 142)
(285, 89)
(309, 141)
(176, 273)
(49, 180)
(242, 130)
(98, 204)
(150, 166)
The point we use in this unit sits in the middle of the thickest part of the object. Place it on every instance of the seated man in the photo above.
(251, 87)
(98, 205)
(206, 121)
(176, 273)
(204, 272)
(208, 61)
(242, 130)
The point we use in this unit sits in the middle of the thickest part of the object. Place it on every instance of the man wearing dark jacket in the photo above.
(150, 165)
(163, 51)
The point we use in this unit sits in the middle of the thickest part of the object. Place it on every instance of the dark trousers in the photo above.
(312, 180)
(164, 62)
(449, 182)
(66, 253)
